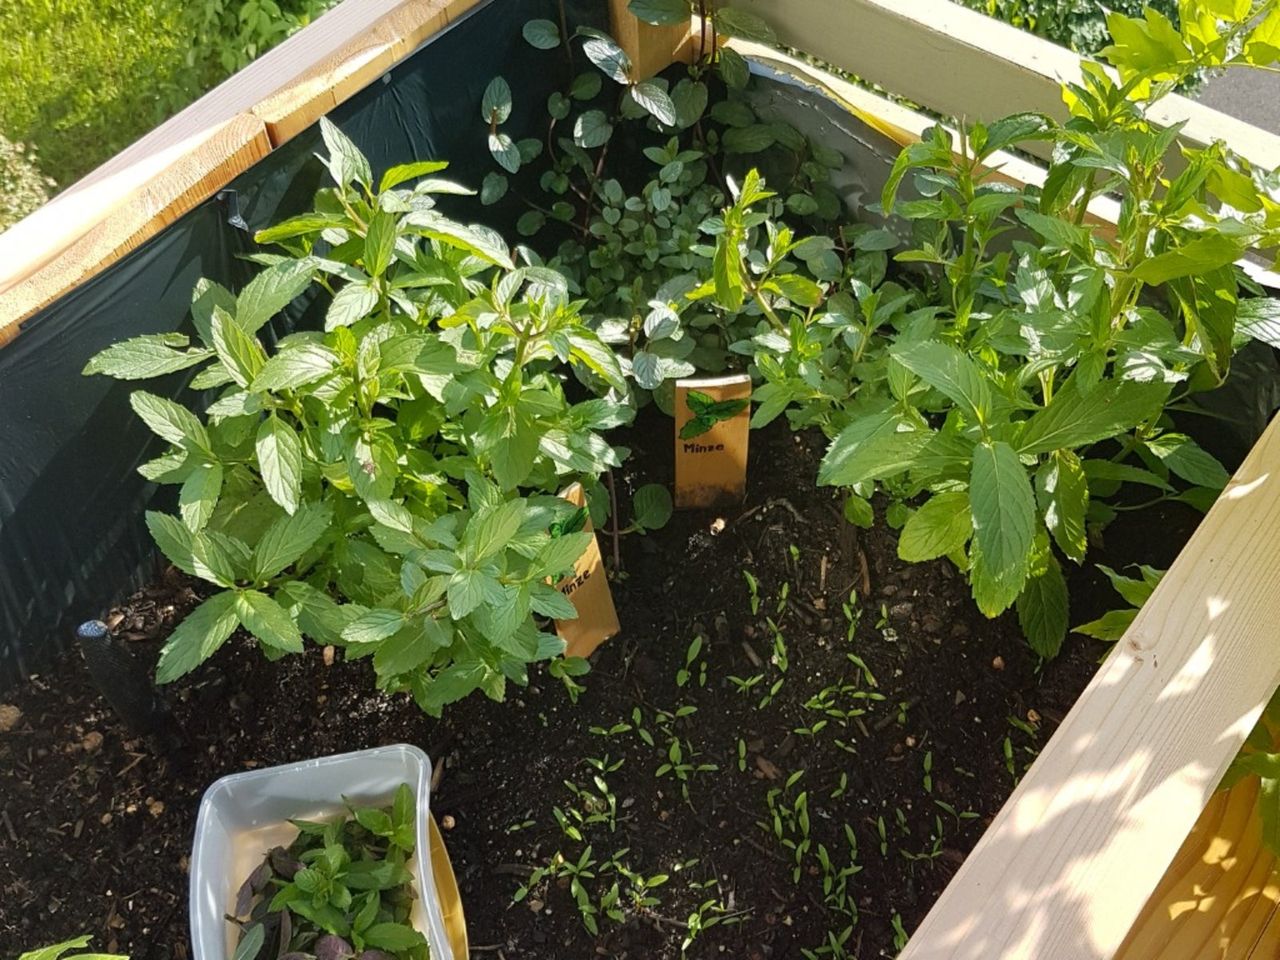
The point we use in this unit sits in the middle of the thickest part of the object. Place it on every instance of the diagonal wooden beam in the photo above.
(186, 160)
(960, 63)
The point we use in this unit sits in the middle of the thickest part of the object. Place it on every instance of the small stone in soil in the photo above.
(997, 663)
(447, 822)
(10, 717)
(92, 742)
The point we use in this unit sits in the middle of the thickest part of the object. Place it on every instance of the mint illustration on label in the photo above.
(707, 412)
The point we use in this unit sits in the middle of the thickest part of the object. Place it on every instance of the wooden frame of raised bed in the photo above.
(1114, 843)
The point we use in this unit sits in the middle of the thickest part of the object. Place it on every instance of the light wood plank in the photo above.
(905, 126)
(1219, 899)
(651, 49)
(197, 152)
(1069, 862)
(121, 212)
(962, 64)
(334, 78)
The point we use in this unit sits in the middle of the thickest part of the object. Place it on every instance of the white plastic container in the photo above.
(244, 815)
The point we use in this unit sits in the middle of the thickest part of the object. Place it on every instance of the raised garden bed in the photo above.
(956, 688)
(797, 737)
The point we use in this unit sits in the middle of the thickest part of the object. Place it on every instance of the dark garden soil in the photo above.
(96, 827)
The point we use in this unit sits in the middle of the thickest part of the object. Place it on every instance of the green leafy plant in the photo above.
(1016, 391)
(1135, 591)
(341, 889)
(60, 951)
(362, 486)
(707, 412)
(635, 254)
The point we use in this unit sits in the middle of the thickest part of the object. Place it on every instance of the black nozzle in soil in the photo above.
(125, 683)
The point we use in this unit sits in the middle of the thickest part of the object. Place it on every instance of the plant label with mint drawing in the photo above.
(587, 589)
(713, 421)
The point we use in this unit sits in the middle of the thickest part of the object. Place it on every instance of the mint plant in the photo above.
(341, 890)
(383, 485)
(635, 254)
(1032, 380)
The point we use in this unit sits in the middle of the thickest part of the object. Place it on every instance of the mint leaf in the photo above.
(268, 621)
(289, 538)
(198, 637)
(942, 526)
(280, 460)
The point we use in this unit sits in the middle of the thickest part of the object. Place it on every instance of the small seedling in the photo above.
(745, 685)
(789, 821)
(680, 764)
(753, 589)
(567, 669)
(899, 933)
(708, 914)
(958, 815)
(684, 674)
(852, 611)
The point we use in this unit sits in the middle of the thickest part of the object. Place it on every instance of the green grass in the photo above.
(82, 79)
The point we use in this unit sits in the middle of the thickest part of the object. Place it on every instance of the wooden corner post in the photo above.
(651, 49)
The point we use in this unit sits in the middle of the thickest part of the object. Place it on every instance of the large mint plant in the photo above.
(1029, 402)
(384, 485)
(635, 242)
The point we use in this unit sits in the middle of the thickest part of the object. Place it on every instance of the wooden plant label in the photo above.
(588, 591)
(713, 421)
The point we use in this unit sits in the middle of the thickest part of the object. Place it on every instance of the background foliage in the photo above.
(23, 187)
(1079, 24)
(82, 79)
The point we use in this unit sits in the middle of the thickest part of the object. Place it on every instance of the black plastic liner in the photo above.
(72, 539)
